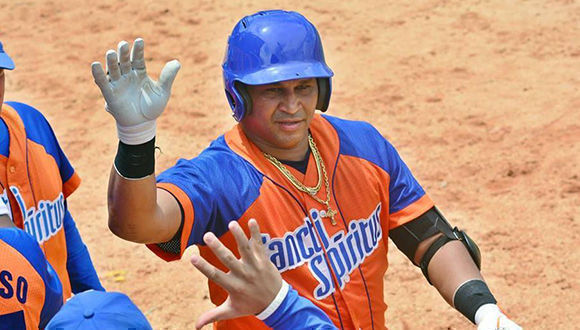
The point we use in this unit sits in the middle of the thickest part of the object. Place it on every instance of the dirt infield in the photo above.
(482, 99)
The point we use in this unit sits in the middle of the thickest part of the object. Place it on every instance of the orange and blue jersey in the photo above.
(36, 178)
(340, 268)
(30, 291)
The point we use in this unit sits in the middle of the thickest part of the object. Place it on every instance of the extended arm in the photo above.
(450, 261)
(138, 211)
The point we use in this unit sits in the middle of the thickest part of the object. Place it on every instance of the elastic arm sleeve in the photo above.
(79, 264)
(297, 312)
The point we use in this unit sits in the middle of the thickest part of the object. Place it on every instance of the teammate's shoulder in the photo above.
(25, 244)
(30, 116)
(12, 235)
(25, 110)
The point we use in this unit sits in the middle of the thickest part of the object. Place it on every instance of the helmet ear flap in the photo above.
(323, 93)
(239, 99)
(242, 90)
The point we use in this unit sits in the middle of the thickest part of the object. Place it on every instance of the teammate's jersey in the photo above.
(338, 267)
(297, 312)
(30, 291)
(36, 178)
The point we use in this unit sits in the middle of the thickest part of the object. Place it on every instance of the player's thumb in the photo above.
(168, 74)
(222, 312)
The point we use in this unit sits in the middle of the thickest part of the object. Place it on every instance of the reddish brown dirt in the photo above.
(481, 98)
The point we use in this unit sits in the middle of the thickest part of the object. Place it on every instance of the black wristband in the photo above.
(470, 296)
(135, 161)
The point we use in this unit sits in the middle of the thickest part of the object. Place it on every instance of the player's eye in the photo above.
(273, 91)
(304, 88)
(1, 73)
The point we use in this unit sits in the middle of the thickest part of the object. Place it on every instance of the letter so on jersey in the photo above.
(11, 285)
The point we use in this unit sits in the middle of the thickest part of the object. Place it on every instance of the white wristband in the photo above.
(275, 303)
(137, 134)
(484, 310)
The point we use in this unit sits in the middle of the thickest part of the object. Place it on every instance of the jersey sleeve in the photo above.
(79, 265)
(297, 312)
(212, 189)
(407, 199)
(30, 291)
(70, 179)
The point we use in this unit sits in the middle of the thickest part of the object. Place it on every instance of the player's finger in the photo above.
(255, 231)
(168, 74)
(222, 312)
(113, 65)
(242, 241)
(210, 271)
(138, 55)
(256, 239)
(222, 253)
(101, 79)
(124, 57)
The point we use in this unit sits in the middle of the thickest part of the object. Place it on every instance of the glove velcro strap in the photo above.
(135, 161)
(470, 296)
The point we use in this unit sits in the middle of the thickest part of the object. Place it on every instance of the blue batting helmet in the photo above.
(269, 47)
(5, 60)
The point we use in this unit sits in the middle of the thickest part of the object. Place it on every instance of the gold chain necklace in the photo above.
(312, 191)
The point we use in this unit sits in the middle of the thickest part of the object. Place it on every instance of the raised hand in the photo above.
(252, 282)
(132, 97)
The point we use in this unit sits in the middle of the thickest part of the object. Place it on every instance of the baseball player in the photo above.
(327, 192)
(35, 180)
(30, 291)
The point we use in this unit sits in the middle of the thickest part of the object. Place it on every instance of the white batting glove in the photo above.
(490, 317)
(131, 96)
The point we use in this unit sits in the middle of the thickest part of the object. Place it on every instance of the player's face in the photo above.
(1, 86)
(280, 116)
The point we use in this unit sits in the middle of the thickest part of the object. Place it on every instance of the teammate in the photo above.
(327, 192)
(30, 291)
(35, 180)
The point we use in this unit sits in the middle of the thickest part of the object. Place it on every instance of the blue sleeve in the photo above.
(297, 312)
(79, 264)
(208, 180)
(362, 140)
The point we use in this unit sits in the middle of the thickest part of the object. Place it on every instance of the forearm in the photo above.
(450, 267)
(134, 211)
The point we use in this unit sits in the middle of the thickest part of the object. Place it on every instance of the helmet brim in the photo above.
(287, 71)
(6, 62)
